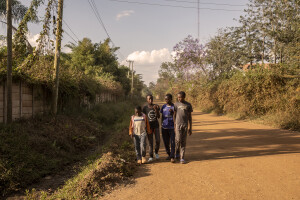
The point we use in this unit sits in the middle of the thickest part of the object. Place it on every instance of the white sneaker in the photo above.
(156, 156)
(150, 159)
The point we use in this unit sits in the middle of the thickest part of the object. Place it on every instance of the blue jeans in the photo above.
(169, 138)
(140, 145)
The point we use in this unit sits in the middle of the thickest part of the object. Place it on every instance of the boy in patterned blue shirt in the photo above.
(167, 127)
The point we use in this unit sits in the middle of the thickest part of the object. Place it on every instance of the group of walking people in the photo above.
(176, 124)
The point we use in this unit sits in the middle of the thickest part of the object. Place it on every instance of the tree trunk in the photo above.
(275, 53)
(263, 51)
(57, 55)
(280, 54)
(9, 61)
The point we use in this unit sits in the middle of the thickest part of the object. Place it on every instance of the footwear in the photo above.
(168, 158)
(144, 160)
(150, 159)
(156, 156)
(182, 161)
(139, 162)
(172, 160)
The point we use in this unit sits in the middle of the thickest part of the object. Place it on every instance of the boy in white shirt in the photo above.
(138, 129)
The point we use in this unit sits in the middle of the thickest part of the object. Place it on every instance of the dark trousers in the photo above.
(155, 131)
(180, 139)
(169, 138)
(140, 145)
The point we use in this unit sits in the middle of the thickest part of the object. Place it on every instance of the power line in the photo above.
(98, 16)
(70, 37)
(70, 29)
(173, 6)
(96, 12)
(93, 2)
(204, 3)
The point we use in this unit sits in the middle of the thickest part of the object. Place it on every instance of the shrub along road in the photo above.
(227, 159)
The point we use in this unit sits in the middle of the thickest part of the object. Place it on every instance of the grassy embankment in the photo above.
(30, 150)
(268, 96)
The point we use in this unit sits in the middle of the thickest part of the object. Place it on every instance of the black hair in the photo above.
(139, 108)
(182, 93)
(149, 95)
(169, 96)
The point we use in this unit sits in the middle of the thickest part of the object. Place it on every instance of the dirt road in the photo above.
(227, 159)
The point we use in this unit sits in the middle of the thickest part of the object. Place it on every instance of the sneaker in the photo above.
(139, 162)
(150, 159)
(156, 156)
(168, 158)
(172, 160)
(182, 161)
(144, 160)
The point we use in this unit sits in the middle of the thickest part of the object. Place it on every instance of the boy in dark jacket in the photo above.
(152, 112)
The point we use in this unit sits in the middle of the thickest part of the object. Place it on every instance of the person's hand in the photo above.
(131, 135)
(190, 131)
(155, 107)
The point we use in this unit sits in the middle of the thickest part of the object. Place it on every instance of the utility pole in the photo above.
(132, 88)
(198, 20)
(9, 61)
(129, 63)
(57, 55)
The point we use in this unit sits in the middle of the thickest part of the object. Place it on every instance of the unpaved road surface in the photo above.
(227, 159)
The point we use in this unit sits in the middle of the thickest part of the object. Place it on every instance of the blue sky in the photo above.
(144, 33)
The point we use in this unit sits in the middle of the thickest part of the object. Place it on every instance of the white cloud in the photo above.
(125, 13)
(32, 39)
(148, 63)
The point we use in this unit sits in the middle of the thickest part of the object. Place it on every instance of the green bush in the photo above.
(261, 93)
(30, 150)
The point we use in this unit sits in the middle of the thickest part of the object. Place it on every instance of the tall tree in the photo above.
(18, 10)
(189, 56)
(57, 55)
(9, 60)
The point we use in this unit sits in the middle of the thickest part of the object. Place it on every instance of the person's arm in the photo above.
(174, 117)
(156, 108)
(190, 120)
(149, 131)
(144, 110)
(190, 123)
(162, 115)
(130, 128)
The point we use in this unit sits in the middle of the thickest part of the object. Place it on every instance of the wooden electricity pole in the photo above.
(132, 88)
(57, 55)
(129, 63)
(9, 61)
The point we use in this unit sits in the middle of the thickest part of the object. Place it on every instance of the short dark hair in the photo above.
(169, 96)
(182, 93)
(149, 95)
(139, 108)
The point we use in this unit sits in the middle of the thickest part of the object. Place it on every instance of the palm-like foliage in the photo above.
(18, 10)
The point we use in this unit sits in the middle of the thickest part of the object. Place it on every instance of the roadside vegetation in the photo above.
(33, 149)
(251, 71)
